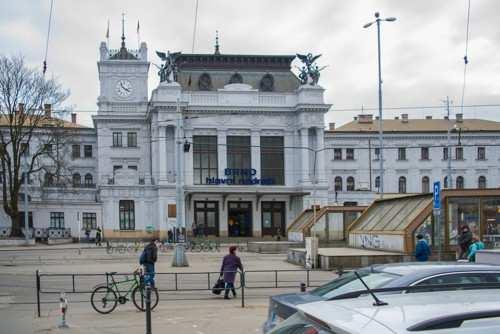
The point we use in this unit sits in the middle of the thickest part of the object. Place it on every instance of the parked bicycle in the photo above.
(106, 297)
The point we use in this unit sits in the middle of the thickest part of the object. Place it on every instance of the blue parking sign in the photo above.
(437, 195)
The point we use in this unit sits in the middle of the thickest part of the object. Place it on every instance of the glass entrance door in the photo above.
(273, 219)
(239, 220)
(206, 218)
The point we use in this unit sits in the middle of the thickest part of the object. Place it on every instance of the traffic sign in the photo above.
(437, 195)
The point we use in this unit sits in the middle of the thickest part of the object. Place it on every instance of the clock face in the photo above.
(123, 88)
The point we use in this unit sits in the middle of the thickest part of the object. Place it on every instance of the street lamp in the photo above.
(380, 131)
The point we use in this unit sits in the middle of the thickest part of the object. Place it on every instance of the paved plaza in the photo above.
(178, 312)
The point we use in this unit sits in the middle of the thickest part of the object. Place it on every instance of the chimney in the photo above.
(459, 118)
(48, 112)
(428, 117)
(446, 118)
(73, 117)
(365, 118)
(331, 126)
(404, 118)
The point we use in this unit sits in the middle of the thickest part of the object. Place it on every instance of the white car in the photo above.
(439, 312)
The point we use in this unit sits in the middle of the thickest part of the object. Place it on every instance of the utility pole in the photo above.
(448, 139)
(26, 216)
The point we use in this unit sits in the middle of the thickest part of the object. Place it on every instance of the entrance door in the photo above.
(239, 220)
(206, 218)
(273, 219)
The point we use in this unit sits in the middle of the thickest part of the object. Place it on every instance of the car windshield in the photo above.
(349, 283)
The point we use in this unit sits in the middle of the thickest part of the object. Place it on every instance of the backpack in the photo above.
(143, 258)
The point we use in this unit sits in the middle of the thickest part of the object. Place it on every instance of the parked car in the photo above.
(381, 276)
(443, 312)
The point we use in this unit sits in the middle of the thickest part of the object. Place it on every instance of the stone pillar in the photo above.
(255, 151)
(221, 152)
(320, 155)
(304, 152)
(162, 154)
(290, 158)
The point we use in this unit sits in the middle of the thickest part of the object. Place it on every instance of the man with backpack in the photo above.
(147, 260)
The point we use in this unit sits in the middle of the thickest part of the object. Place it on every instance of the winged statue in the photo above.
(309, 72)
(168, 71)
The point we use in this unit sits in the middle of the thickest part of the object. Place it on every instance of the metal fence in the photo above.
(75, 283)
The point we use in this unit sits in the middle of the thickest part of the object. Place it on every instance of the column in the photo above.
(304, 153)
(320, 158)
(290, 158)
(221, 152)
(162, 154)
(255, 151)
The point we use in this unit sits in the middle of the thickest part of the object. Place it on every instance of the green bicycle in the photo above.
(106, 297)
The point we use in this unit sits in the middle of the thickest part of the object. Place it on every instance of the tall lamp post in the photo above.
(380, 131)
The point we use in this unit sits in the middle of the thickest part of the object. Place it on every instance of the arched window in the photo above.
(88, 179)
(236, 78)
(402, 185)
(205, 82)
(481, 182)
(425, 184)
(338, 183)
(350, 183)
(460, 182)
(377, 183)
(267, 83)
(77, 180)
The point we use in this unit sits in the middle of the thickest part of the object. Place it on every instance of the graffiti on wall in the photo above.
(371, 241)
(377, 241)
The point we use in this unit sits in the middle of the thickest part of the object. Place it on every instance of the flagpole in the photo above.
(138, 37)
(107, 35)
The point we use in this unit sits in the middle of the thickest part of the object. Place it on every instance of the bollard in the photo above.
(302, 287)
(63, 303)
(148, 308)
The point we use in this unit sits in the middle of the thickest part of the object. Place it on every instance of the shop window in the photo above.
(57, 220)
(460, 182)
(350, 185)
(272, 159)
(481, 182)
(89, 220)
(239, 158)
(402, 185)
(425, 184)
(338, 183)
(491, 219)
(127, 215)
(204, 158)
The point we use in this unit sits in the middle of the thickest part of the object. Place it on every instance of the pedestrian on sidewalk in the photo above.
(230, 264)
(148, 259)
(476, 245)
(422, 249)
(464, 241)
(98, 236)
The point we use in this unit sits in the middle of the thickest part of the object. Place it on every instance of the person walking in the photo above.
(464, 241)
(422, 249)
(148, 259)
(476, 245)
(98, 236)
(230, 264)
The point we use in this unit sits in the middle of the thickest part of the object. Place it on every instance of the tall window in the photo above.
(131, 139)
(481, 182)
(117, 139)
(425, 184)
(424, 153)
(75, 151)
(127, 215)
(338, 183)
(337, 154)
(77, 180)
(402, 185)
(57, 220)
(204, 158)
(349, 154)
(377, 153)
(481, 153)
(350, 184)
(459, 153)
(401, 153)
(89, 221)
(445, 182)
(87, 151)
(445, 153)
(272, 159)
(460, 182)
(88, 180)
(377, 183)
(239, 157)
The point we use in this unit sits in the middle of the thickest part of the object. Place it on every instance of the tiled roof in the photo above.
(48, 122)
(418, 125)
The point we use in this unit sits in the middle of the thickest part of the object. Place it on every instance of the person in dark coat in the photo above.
(230, 264)
(464, 241)
(147, 260)
(422, 249)
(98, 236)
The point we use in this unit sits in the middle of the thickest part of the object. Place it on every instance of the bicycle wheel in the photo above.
(109, 250)
(139, 298)
(104, 300)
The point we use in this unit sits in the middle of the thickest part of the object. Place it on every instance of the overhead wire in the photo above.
(48, 37)
(466, 58)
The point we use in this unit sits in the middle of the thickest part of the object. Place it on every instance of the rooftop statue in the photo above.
(168, 71)
(309, 72)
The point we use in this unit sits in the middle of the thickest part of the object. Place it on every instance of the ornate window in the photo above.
(236, 78)
(402, 185)
(77, 180)
(239, 157)
(267, 83)
(88, 179)
(272, 159)
(425, 184)
(460, 182)
(205, 82)
(205, 161)
(350, 184)
(338, 183)
(481, 182)
(127, 215)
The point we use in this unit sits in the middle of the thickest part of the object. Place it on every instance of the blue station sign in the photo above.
(236, 176)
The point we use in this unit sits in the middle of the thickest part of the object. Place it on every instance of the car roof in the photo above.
(426, 268)
(359, 315)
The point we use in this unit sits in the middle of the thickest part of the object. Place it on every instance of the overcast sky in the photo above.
(422, 52)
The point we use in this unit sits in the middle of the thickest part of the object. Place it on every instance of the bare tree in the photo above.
(27, 131)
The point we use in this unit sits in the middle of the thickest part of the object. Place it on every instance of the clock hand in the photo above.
(121, 84)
